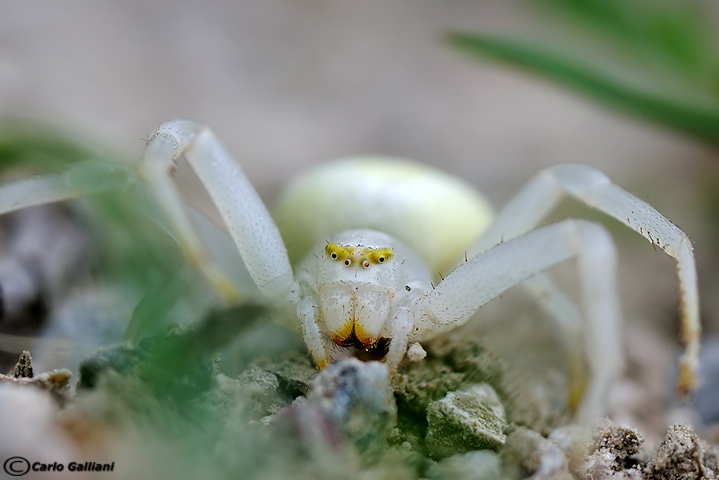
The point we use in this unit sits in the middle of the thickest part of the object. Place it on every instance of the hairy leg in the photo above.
(541, 194)
(247, 219)
(490, 273)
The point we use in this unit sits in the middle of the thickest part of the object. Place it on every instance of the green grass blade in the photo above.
(695, 119)
(678, 34)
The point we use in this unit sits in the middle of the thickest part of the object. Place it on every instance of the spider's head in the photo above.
(355, 306)
(359, 278)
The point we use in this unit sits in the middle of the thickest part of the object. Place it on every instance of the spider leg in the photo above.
(402, 324)
(246, 217)
(562, 309)
(308, 313)
(86, 178)
(487, 275)
(541, 194)
(82, 179)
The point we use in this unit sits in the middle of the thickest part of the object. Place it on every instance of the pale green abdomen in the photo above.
(435, 214)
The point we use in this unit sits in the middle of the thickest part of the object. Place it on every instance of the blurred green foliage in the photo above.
(165, 380)
(653, 59)
(135, 253)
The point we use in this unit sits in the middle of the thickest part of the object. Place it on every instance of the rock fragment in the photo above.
(469, 419)
(261, 390)
(357, 397)
(680, 456)
(294, 371)
(23, 368)
(527, 454)
(612, 452)
(475, 465)
(56, 381)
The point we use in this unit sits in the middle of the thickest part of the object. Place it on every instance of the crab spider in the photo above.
(374, 232)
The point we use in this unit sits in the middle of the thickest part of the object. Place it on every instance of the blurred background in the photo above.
(290, 84)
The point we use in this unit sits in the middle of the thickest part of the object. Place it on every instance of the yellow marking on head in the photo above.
(339, 252)
(352, 255)
(378, 255)
(352, 335)
(343, 333)
(364, 337)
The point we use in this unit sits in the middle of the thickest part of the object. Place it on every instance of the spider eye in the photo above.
(338, 252)
(348, 262)
(406, 287)
(378, 255)
(365, 264)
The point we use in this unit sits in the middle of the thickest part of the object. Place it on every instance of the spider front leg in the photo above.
(541, 194)
(487, 275)
(246, 217)
(402, 324)
(308, 313)
(80, 180)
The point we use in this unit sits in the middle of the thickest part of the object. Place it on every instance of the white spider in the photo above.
(373, 233)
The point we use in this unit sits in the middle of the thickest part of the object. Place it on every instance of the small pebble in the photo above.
(475, 465)
(527, 454)
(357, 397)
(464, 420)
